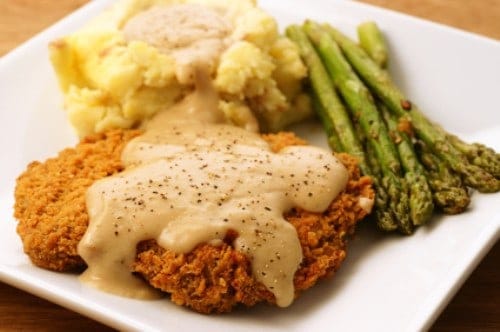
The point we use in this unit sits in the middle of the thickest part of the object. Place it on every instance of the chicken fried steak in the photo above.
(50, 207)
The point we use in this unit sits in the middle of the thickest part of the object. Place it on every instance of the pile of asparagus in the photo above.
(416, 166)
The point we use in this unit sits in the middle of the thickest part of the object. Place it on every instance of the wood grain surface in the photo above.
(476, 307)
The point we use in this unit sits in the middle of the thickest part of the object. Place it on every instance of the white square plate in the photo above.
(387, 283)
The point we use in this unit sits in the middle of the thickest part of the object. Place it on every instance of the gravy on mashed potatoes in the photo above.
(113, 77)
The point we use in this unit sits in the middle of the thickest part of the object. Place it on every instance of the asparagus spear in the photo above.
(371, 40)
(361, 105)
(381, 84)
(449, 193)
(333, 111)
(478, 154)
(421, 201)
(384, 217)
(447, 189)
(331, 135)
(335, 118)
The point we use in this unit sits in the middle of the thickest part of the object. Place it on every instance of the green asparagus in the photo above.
(361, 105)
(384, 217)
(333, 139)
(448, 190)
(421, 200)
(381, 84)
(335, 118)
(333, 108)
(372, 41)
(478, 154)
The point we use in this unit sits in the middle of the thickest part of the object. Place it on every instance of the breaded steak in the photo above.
(50, 208)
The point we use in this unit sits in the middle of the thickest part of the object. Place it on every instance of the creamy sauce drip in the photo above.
(189, 182)
(189, 179)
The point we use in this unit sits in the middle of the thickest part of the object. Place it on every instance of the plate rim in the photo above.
(483, 244)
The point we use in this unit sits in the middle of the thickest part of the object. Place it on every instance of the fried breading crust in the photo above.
(215, 279)
(50, 198)
(50, 207)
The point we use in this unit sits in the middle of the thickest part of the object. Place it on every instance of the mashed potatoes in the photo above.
(114, 79)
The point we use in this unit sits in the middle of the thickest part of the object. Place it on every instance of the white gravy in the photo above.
(189, 179)
(188, 182)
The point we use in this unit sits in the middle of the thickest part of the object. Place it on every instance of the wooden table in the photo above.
(476, 307)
